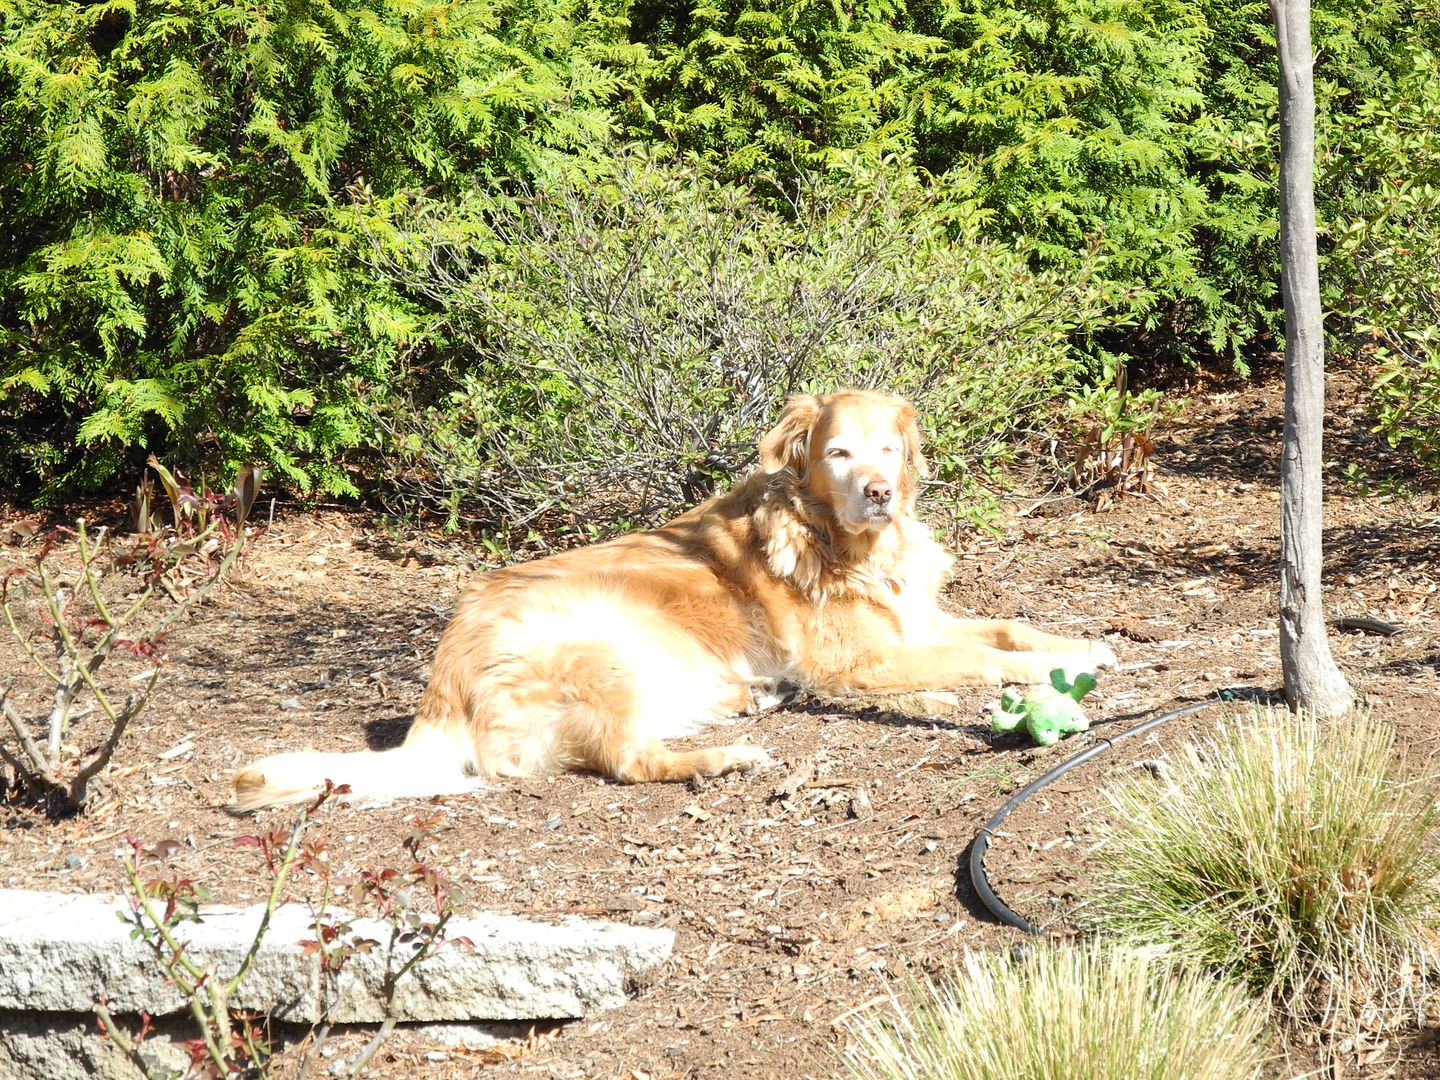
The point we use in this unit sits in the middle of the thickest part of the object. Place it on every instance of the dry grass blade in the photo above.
(1102, 1014)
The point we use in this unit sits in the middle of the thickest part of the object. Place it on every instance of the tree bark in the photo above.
(1312, 681)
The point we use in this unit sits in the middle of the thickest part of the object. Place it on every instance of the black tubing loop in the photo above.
(981, 844)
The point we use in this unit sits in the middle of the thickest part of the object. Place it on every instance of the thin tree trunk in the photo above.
(1312, 681)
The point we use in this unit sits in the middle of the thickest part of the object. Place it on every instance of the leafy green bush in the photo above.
(175, 181)
(1292, 855)
(627, 338)
(1234, 143)
(761, 86)
(188, 186)
(1093, 1012)
(1077, 118)
(1085, 116)
(1150, 126)
(1387, 252)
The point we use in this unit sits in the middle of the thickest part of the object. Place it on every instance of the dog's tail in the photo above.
(420, 768)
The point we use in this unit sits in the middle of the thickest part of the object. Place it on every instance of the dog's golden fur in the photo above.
(813, 571)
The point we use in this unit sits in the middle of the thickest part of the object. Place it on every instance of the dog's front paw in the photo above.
(1101, 655)
(766, 694)
(1094, 656)
(742, 757)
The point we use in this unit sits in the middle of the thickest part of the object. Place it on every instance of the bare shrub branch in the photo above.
(185, 559)
(626, 340)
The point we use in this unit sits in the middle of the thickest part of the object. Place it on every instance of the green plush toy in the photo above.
(1048, 711)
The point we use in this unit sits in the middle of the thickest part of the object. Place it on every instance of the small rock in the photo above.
(290, 704)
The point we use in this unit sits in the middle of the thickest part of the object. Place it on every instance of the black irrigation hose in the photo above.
(981, 883)
(1367, 624)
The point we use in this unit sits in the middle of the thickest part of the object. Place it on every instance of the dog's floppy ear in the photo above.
(909, 425)
(787, 444)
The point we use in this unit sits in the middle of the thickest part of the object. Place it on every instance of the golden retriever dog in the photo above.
(813, 572)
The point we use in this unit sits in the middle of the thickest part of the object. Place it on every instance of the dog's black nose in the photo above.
(878, 491)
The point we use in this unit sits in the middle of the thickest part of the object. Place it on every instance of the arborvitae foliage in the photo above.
(1237, 144)
(185, 184)
(1081, 114)
(1149, 125)
(781, 85)
(175, 177)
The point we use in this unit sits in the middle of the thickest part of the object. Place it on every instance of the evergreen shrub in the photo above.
(177, 180)
(192, 192)
(1150, 128)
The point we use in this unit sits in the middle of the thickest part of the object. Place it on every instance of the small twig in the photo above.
(116, 1034)
(924, 760)
(319, 1036)
(381, 1034)
(133, 705)
(87, 556)
(24, 641)
(42, 765)
(292, 851)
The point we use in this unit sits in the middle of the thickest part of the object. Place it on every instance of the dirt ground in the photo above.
(796, 891)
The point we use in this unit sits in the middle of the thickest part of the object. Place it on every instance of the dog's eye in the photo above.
(889, 450)
(837, 453)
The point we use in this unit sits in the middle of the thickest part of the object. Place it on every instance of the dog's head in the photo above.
(856, 451)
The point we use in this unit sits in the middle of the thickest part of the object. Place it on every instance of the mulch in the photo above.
(801, 892)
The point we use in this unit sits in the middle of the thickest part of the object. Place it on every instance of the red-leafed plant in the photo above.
(416, 904)
(58, 610)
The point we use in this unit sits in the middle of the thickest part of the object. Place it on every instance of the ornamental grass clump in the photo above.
(1290, 854)
(1089, 1011)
